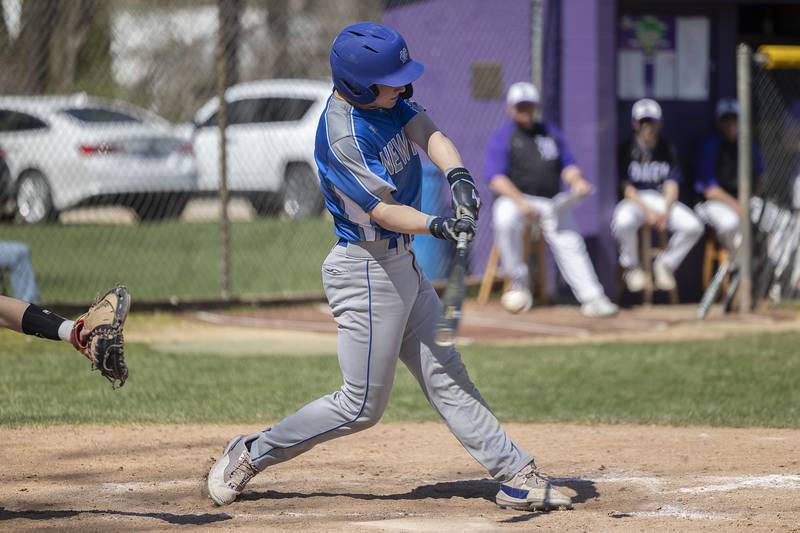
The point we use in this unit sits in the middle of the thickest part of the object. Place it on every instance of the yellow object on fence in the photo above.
(780, 56)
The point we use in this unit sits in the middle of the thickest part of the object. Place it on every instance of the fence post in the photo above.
(228, 20)
(743, 83)
(537, 41)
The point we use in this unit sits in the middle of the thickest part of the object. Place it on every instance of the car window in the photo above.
(260, 110)
(210, 121)
(16, 121)
(283, 109)
(99, 115)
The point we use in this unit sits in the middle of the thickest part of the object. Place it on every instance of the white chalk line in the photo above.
(728, 484)
(670, 511)
(139, 485)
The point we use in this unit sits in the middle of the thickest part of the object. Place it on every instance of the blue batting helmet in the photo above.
(368, 53)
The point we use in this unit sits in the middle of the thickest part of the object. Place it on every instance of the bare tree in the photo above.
(32, 48)
(230, 29)
(80, 54)
(61, 47)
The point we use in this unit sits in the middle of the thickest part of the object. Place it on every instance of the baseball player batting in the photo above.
(370, 174)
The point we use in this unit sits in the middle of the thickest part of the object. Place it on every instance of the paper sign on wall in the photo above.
(664, 57)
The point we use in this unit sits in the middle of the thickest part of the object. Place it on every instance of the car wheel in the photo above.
(160, 206)
(265, 203)
(33, 198)
(7, 207)
(302, 197)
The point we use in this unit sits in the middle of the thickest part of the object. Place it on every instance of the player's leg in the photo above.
(723, 219)
(509, 228)
(561, 233)
(33, 320)
(16, 258)
(625, 223)
(686, 230)
(371, 301)
(447, 386)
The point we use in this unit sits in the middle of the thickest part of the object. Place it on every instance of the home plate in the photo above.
(429, 524)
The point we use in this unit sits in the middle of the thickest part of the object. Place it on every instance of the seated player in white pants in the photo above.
(650, 177)
(718, 179)
(526, 161)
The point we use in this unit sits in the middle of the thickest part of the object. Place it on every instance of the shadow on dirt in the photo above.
(177, 519)
(470, 489)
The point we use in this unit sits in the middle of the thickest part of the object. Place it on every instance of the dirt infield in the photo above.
(402, 477)
(490, 324)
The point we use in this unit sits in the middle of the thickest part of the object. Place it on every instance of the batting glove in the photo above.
(450, 228)
(466, 200)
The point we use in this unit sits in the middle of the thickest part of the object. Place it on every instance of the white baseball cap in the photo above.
(646, 108)
(522, 91)
(727, 106)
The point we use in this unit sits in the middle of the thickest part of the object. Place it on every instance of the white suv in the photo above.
(270, 136)
(69, 151)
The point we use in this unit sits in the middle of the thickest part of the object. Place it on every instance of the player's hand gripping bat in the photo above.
(454, 293)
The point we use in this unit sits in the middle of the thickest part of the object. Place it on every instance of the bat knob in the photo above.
(445, 337)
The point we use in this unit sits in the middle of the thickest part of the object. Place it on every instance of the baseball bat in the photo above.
(731, 294)
(453, 299)
(713, 288)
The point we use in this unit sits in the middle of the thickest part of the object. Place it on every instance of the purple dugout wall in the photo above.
(579, 90)
(448, 41)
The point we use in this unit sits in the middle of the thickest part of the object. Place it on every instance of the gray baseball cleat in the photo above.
(600, 307)
(664, 278)
(231, 472)
(529, 491)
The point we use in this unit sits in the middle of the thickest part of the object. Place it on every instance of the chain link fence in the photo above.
(111, 133)
(776, 203)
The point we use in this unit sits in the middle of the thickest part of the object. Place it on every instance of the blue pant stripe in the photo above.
(366, 392)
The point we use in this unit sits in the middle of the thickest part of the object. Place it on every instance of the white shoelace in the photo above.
(245, 469)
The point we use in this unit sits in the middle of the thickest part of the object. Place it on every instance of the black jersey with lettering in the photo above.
(648, 169)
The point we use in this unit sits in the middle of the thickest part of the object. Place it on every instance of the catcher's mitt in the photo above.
(97, 334)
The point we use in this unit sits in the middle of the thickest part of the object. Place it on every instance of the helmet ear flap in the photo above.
(355, 92)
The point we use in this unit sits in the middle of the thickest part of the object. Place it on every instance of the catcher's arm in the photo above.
(98, 335)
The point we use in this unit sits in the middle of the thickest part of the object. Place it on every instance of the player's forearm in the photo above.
(571, 175)
(11, 311)
(400, 218)
(718, 193)
(670, 192)
(501, 185)
(443, 153)
(439, 148)
(630, 193)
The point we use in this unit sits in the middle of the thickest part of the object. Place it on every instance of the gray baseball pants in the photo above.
(386, 308)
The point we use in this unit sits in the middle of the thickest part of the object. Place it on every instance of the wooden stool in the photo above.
(648, 253)
(715, 254)
(538, 277)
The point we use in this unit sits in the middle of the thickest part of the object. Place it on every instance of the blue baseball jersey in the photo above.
(718, 165)
(363, 156)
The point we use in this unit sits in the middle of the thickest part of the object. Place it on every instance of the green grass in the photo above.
(738, 381)
(269, 256)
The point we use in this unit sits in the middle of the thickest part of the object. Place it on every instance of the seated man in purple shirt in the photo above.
(526, 162)
(717, 176)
